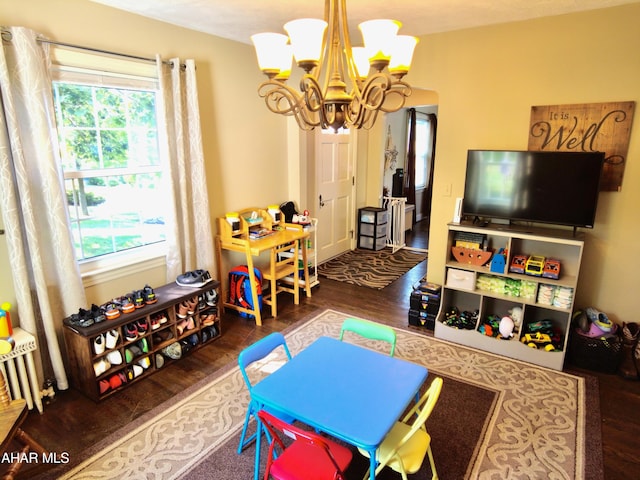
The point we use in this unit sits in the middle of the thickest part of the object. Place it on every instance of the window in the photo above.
(423, 146)
(113, 171)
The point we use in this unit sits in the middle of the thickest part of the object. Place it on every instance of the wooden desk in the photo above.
(347, 391)
(240, 242)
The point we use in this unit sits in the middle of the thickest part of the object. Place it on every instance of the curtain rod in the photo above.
(7, 35)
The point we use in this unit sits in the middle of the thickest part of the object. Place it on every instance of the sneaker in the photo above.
(195, 278)
(144, 362)
(98, 313)
(131, 353)
(101, 366)
(130, 332)
(111, 310)
(137, 370)
(142, 326)
(173, 351)
(114, 357)
(159, 360)
(111, 338)
(104, 386)
(138, 299)
(98, 344)
(211, 297)
(149, 295)
(126, 303)
(144, 345)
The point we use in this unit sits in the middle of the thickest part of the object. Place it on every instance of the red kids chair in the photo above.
(308, 456)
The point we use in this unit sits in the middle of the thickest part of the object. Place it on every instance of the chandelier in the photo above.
(343, 86)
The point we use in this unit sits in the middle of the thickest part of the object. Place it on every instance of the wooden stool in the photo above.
(12, 414)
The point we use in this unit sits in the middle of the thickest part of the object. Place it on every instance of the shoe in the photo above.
(159, 360)
(104, 386)
(114, 357)
(98, 344)
(149, 295)
(130, 332)
(80, 320)
(142, 326)
(138, 299)
(101, 366)
(131, 353)
(211, 297)
(116, 380)
(137, 370)
(126, 303)
(111, 338)
(98, 313)
(111, 310)
(173, 351)
(143, 345)
(162, 336)
(193, 339)
(187, 307)
(155, 322)
(195, 278)
(144, 362)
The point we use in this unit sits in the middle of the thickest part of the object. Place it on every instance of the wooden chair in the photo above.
(284, 262)
(371, 330)
(12, 414)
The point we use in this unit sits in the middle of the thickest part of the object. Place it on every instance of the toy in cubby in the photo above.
(542, 335)
(6, 330)
(465, 320)
(503, 327)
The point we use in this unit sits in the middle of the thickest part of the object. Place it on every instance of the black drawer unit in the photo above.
(372, 228)
(424, 304)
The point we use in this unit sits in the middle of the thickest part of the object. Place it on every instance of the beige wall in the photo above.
(244, 144)
(487, 79)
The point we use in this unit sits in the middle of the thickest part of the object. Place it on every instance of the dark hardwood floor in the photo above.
(72, 422)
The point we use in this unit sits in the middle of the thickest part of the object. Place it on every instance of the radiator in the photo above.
(20, 371)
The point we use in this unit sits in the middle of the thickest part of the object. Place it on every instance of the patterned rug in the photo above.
(368, 268)
(536, 428)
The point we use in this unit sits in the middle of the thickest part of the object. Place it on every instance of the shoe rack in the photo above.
(108, 356)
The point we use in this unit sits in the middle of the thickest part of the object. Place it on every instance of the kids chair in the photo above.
(406, 445)
(309, 457)
(12, 414)
(283, 263)
(371, 330)
(249, 355)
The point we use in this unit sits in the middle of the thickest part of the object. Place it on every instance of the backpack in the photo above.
(240, 288)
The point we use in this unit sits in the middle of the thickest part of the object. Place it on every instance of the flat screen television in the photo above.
(525, 186)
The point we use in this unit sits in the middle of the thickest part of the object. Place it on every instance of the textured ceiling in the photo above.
(239, 19)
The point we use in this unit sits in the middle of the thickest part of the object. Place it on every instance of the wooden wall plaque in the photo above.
(588, 127)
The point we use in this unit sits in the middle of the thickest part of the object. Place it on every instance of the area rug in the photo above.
(373, 269)
(532, 420)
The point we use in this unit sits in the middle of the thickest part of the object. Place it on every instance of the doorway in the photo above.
(335, 188)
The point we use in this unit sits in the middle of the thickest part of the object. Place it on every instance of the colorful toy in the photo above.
(518, 263)
(534, 265)
(6, 330)
(551, 269)
(506, 328)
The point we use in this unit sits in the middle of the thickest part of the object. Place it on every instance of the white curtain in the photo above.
(45, 273)
(189, 235)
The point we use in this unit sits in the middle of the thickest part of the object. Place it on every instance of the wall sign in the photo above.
(589, 127)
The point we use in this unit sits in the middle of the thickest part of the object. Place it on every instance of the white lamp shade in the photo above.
(306, 35)
(285, 66)
(271, 48)
(378, 37)
(402, 54)
(361, 60)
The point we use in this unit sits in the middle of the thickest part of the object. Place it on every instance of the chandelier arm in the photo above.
(284, 100)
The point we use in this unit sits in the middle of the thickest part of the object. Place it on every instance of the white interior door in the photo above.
(334, 194)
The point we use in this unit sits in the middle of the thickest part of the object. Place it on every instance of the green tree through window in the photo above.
(112, 167)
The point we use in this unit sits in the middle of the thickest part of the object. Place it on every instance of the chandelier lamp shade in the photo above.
(342, 86)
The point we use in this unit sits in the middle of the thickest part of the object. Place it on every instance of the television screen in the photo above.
(547, 187)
